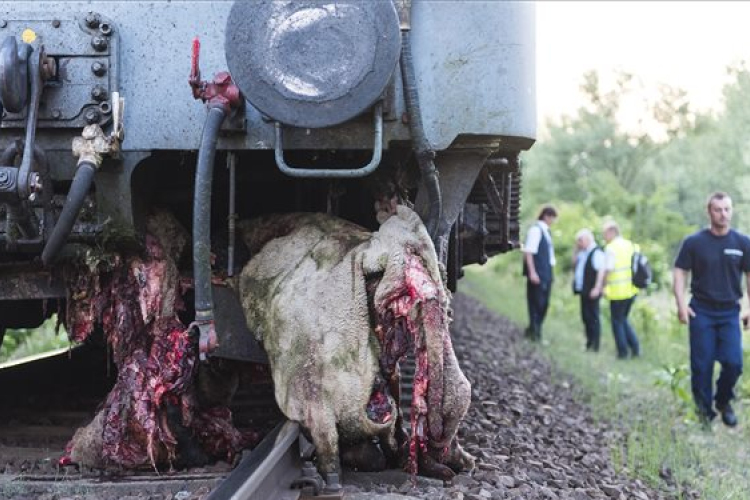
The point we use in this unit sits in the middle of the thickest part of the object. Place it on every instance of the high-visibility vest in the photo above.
(620, 279)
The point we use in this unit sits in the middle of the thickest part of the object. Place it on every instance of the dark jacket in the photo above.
(541, 261)
(589, 274)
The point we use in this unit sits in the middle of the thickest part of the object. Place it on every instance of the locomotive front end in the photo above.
(349, 108)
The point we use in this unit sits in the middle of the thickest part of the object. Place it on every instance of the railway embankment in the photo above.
(532, 435)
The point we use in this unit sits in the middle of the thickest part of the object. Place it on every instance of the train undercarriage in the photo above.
(348, 110)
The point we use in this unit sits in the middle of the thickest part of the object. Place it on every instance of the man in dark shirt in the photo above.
(717, 257)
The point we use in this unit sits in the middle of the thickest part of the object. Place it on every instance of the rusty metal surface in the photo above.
(20, 282)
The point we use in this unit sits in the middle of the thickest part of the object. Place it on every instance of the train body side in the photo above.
(474, 73)
(472, 62)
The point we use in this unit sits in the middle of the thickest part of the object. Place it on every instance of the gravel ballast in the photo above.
(532, 438)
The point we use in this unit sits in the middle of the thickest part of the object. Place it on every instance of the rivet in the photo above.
(92, 20)
(56, 114)
(91, 116)
(99, 93)
(98, 68)
(3, 23)
(99, 43)
(56, 23)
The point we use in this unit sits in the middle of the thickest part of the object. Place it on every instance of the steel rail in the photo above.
(268, 471)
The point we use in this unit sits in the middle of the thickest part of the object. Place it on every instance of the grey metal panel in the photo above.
(474, 63)
(312, 63)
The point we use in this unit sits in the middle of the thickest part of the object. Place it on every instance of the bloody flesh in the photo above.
(135, 299)
(412, 311)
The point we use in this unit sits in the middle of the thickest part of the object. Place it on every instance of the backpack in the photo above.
(642, 274)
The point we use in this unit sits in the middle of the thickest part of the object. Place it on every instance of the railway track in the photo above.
(47, 398)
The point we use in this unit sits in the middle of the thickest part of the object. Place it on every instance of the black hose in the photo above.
(422, 148)
(204, 303)
(78, 190)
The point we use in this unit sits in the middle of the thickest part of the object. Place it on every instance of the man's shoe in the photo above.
(727, 415)
(704, 421)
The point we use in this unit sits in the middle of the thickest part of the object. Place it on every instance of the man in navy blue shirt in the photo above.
(717, 257)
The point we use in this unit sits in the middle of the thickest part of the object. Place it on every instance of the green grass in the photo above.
(648, 398)
(18, 344)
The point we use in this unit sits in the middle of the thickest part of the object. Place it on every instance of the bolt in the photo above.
(99, 43)
(35, 182)
(56, 114)
(98, 68)
(91, 116)
(56, 23)
(3, 23)
(3, 177)
(92, 20)
(99, 93)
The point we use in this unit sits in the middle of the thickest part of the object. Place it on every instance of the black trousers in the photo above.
(590, 317)
(537, 301)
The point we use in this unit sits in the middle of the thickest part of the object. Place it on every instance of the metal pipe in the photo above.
(24, 172)
(231, 164)
(204, 304)
(422, 148)
(79, 188)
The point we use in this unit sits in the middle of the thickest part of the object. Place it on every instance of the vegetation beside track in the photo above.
(647, 398)
(24, 342)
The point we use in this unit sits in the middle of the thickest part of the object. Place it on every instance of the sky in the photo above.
(686, 44)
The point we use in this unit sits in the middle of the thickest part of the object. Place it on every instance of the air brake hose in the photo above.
(422, 148)
(80, 186)
(204, 304)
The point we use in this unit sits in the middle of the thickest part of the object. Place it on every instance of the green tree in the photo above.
(714, 155)
(597, 161)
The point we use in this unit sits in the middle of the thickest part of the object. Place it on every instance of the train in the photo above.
(226, 110)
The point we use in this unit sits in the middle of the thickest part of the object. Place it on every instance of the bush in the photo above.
(30, 341)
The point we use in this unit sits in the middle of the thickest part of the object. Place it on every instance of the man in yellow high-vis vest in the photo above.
(620, 289)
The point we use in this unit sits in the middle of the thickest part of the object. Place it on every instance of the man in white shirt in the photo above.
(588, 282)
(539, 261)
